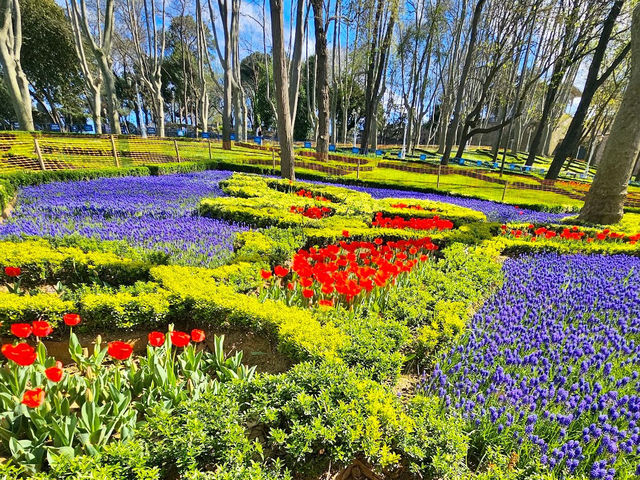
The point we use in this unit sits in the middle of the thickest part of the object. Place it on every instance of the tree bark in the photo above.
(281, 78)
(14, 77)
(570, 143)
(605, 200)
(322, 82)
(451, 132)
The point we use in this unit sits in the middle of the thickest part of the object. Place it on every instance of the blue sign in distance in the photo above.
(88, 128)
(355, 150)
(379, 152)
(332, 148)
(54, 127)
(180, 133)
(307, 144)
(151, 130)
(233, 136)
(258, 140)
(205, 135)
(423, 156)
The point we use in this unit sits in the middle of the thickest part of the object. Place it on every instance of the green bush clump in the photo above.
(7, 194)
(194, 294)
(27, 308)
(473, 233)
(268, 247)
(42, 263)
(124, 309)
(200, 434)
(438, 301)
(24, 178)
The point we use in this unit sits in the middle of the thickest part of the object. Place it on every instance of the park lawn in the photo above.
(468, 186)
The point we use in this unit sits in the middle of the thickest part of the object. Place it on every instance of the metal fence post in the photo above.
(175, 144)
(114, 151)
(39, 153)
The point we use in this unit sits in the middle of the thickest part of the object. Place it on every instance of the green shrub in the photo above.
(320, 413)
(518, 246)
(116, 461)
(123, 309)
(42, 263)
(27, 308)
(25, 178)
(271, 246)
(7, 193)
(194, 293)
(206, 433)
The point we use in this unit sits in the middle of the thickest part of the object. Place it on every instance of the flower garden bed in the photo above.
(333, 308)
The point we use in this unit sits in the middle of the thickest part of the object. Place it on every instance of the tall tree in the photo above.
(321, 79)
(10, 49)
(146, 20)
(381, 33)
(281, 76)
(594, 80)
(100, 42)
(605, 199)
(455, 120)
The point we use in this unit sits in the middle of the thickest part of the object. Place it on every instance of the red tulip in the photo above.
(281, 271)
(265, 274)
(180, 339)
(54, 373)
(41, 328)
(119, 350)
(345, 233)
(12, 271)
(23, 354)
(33, 398)
(197, 335)
(156, 339)
(21, 330)
(306, 293)
(71, 319)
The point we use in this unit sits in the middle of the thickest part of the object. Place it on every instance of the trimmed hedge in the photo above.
(27, 308)
(28, 178)
(518, 246)
(195, 294)
(7, 194)
(42, 263)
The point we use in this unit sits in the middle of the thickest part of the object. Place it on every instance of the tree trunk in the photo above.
(570, 143)
(605, 199)
(281, 77)
(322, 83)
(14, 77)
(452, 130)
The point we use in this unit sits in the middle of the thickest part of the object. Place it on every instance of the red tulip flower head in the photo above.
(71, 319)
(12, 271)
(197, 335)
(23, 354)
(41, 328)
(120, 350)
(21, 330)
(54, 373)
(33, 398)
(156, 339)
(180, 339)
(266, 275)
(281, 271)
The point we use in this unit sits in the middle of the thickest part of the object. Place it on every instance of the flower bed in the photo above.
(413, 223)
(347, 274)
(154, 213)
(533, 233)
(313, 212)
(549, 366)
